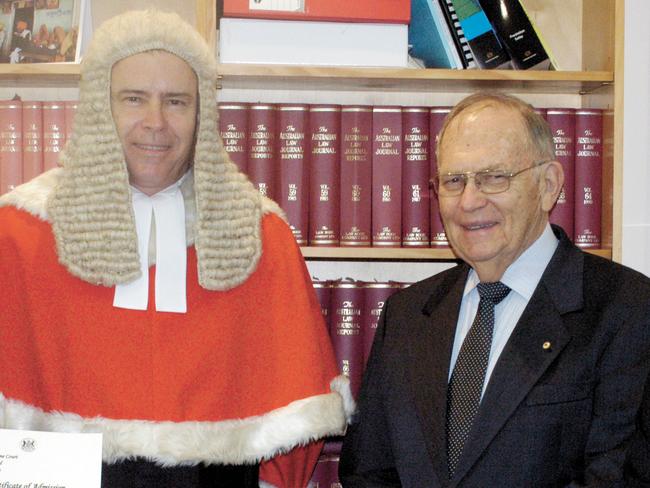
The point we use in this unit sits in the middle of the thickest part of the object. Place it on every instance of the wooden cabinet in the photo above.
(586, 34)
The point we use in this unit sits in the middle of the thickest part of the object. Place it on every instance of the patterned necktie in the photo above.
(466, 383)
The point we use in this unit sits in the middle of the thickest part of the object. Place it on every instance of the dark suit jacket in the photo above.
(558, 416)
(638, 465)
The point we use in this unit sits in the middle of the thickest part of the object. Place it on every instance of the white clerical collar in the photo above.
(168, 209)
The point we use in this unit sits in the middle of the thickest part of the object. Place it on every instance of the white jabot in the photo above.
(168, 210)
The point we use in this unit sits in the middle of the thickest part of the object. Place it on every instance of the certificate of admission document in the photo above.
(31, 459)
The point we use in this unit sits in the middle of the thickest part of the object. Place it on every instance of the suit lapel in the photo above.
(536, 341)
(430, 352)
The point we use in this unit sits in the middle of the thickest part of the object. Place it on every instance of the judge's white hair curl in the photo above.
(91, 209)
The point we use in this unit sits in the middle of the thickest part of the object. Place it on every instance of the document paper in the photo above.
(31, 459)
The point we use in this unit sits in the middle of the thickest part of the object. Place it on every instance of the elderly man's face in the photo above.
(154, 101)
(490, 231)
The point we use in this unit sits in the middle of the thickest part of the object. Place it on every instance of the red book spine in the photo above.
(323, 291)
(233, 129)
(436, 119)
(356, 175)
(325, 473)
(588, 177)
(415, 177)
(374, 298)
(261, 148)
(387, 176)
(563, 126)
(32, 140)
(70, 108)
(11, 145)
(346, 333)
(385, 11)
(324, 200)
(294, 168)
(332, 446)
(53, 133)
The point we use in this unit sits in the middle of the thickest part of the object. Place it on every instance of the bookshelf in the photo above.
(394, 253)
(587, 33)
(593, 33)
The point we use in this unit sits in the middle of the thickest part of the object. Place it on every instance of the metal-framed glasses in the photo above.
(489, 181)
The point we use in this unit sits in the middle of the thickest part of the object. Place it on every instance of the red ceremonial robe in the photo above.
(245, 375)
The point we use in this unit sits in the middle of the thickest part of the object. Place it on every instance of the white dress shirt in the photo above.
(165, 211)
(522, 278)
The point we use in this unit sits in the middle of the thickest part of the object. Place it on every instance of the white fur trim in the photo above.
(239, 441)
(341, 385)
(32, 196)
(264, 484)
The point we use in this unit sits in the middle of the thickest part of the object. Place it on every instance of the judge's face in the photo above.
(490, 231)
(154, 102)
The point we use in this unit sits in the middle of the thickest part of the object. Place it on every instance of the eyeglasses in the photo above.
(489, 181)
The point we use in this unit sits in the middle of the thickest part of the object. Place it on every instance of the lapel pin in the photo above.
(546, 346)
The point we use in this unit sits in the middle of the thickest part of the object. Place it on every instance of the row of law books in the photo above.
(359, 175)
(315, 32)
(32, 134)
(476, 34)
(351, 310)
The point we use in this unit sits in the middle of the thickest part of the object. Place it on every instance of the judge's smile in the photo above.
(152, 147)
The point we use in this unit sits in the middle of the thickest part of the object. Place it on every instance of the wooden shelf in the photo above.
(36, 74)
(401, 79)
(350, 78)
(394, 253)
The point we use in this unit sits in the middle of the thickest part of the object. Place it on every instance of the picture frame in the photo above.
(41, 31)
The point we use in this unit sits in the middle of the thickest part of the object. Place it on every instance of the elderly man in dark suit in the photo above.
(525, 365)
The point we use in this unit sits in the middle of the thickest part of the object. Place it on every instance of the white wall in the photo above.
(636, 143)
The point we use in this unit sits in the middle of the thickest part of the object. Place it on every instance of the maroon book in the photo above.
(53, 133)
(356, 175)
(32, 140)
(332, 446)
(324, 178)
(541, 111)
(387, 176)
(346, 333)
(262, 162)
(416, 170)
(233, 129)
(325, 473)
(375, 295)
(323, 291)
(294, 168)
(563, 126)
(588, 177)
(11, 145)
(436, 119)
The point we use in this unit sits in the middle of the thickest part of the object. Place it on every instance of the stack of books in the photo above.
(365, 33)
(359, 175)
(32, 135)
(351, 310)
(482, 34)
